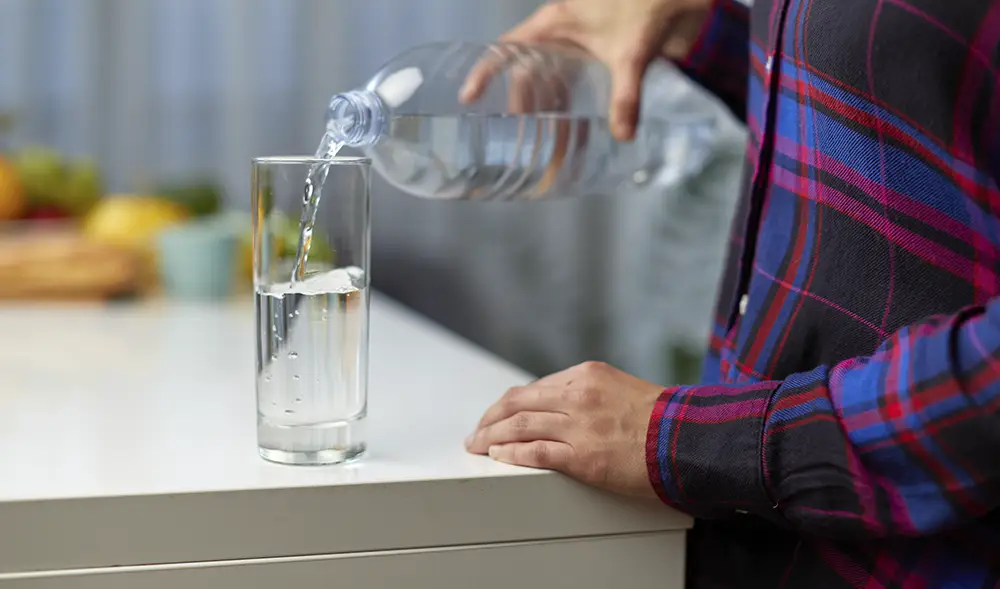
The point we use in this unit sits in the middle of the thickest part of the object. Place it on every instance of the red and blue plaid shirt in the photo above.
(847, 433)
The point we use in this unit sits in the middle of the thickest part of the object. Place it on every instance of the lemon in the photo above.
(133, 223)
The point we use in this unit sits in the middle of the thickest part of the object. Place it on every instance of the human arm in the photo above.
(900, 443)
(719, 57)
(903, 442)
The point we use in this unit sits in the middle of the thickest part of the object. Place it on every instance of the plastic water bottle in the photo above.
(509, 122)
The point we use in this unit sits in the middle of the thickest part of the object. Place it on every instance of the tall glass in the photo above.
(312, 319)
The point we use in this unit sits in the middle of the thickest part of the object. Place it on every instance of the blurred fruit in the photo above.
(46, 213)
(200, 198)
(13, 201)
(244, 256)
(264, 181)
(285, 238)
(287, 232)
(133, 223)
(41, 170)
(51, 181)
(319, 248)
(81, 188)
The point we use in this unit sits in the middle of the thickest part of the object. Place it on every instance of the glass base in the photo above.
(317, 443)
(314, 458)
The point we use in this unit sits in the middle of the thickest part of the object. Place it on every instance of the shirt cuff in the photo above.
(704, 449)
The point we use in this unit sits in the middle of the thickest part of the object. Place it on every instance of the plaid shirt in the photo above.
(847, 433)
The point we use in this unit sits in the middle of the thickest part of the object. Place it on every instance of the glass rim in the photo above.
(339, 160)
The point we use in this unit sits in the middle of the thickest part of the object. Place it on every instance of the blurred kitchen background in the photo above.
(126, 117)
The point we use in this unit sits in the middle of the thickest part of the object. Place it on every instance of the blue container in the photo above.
(197, 260)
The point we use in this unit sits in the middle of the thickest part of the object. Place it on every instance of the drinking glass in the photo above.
(311, 318)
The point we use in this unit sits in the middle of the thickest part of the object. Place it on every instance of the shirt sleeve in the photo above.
(719, 61)
(903, 442)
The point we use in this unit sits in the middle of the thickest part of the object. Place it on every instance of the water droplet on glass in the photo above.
(289, 411)
(267, 378)
(274, 357)
(298, 399)
(296, 312)
(293, 355)
(295, 377)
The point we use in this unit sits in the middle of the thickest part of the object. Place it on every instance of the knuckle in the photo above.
(593, 367)
(540, 454)
(514, 392)
(520, 422)
(589, 397)
(553, 12)
(509, 401)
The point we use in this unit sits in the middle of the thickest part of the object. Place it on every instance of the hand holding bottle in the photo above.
(624, 34)
(510, 121)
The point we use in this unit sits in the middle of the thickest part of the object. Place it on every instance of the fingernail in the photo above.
(468, 441)
(618, 131)
(494, 450)
(465, 93)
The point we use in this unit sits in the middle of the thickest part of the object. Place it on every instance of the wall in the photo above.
(165, 89)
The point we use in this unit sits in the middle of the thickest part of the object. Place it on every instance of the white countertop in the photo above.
(127, 436)
(160, 399)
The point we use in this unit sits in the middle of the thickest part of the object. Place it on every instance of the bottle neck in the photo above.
(356, 118)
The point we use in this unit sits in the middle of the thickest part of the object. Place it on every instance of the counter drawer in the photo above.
(603, 562)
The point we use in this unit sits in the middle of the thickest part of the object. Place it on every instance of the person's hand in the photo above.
(624, 34)
(588, 422)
